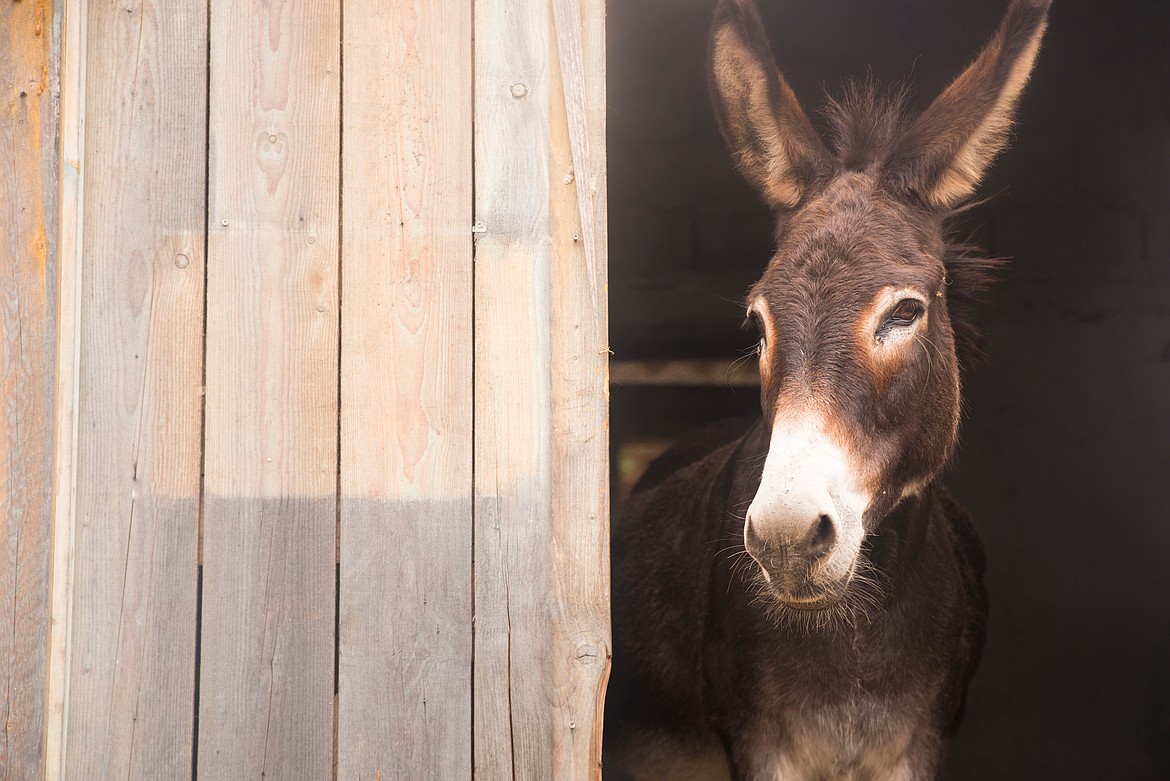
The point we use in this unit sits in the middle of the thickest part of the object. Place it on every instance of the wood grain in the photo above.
(29, 72)
(580, 652)
(131, 677)
(74, 23)
(406, 403)
(267, 632)
(541, 534)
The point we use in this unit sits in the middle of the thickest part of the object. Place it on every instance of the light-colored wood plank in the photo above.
(267, 631)
(67, 389)
(541, 474)
(29, 70)
(131, 677)
(513, 728)
(405, 599)
(580, 654)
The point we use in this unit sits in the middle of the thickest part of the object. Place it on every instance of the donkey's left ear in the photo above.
(950, 146)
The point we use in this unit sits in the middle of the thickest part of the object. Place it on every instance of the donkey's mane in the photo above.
(865, 126)
(867, 122)
(970, 275)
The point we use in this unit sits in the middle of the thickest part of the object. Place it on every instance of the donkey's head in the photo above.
(860, 376)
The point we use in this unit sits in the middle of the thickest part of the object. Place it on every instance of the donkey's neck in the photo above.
(900, 542)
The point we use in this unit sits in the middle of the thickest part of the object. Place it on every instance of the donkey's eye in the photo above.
(753, 321)
(905, 312)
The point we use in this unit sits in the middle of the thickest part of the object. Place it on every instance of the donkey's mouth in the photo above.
(809, 595)
(811, 604)
(811, 600)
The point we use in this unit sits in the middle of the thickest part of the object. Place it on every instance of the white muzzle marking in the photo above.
(808, 477)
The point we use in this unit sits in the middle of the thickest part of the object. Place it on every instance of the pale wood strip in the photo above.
(513, 677)
(580, 387)
(267, 651)
(131, 677)
(29, 70)
(541, 555)
(405, 600)
(74, 24)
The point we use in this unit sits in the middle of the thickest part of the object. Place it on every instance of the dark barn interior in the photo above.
(1064, 461)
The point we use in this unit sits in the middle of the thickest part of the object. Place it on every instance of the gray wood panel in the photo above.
(541, 493)
(405, 600)
(269, 537)
(131, 675)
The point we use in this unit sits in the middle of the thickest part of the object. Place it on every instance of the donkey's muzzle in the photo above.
(815, 544)
(804, 525)
(798, 565)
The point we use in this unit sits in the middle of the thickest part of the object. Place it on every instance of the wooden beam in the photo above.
(267, 631)
(29, 74)
(405, 588)
(132, 644)
(541, 466)
(698, 373)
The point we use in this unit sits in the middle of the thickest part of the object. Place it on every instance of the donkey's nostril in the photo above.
(822, 536)
(751, 539)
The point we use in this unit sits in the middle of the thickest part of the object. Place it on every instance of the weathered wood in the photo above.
(67, 390)
(269, 538)
(541, 534)
(29, 70)
(131, 677)
(405, 599)
(580, 387)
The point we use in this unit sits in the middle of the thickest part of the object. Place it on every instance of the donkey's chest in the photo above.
(846, 721)
(860, 739)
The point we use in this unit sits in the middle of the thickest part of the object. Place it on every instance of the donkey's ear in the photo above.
(770, 137)
(949, 147)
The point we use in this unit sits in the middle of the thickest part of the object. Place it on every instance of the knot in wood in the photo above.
(585, 652)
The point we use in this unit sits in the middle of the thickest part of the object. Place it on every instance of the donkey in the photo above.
(840, 645)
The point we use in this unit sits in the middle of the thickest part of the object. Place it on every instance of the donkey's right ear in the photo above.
(770, 137)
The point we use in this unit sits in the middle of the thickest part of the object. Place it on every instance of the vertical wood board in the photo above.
(580, 384)
(267, 631)
(29, 72)
(74, 22)
(541, 544)
(131, 676)
(514, 727)
(405, 599)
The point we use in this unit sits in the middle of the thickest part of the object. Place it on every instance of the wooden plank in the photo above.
(580, 386)
(29, 72)
(74, 24)
(131, 676)
(269, 543)
(405, 599)
(541, 465)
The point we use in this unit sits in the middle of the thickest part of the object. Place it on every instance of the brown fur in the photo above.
(717, 662)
